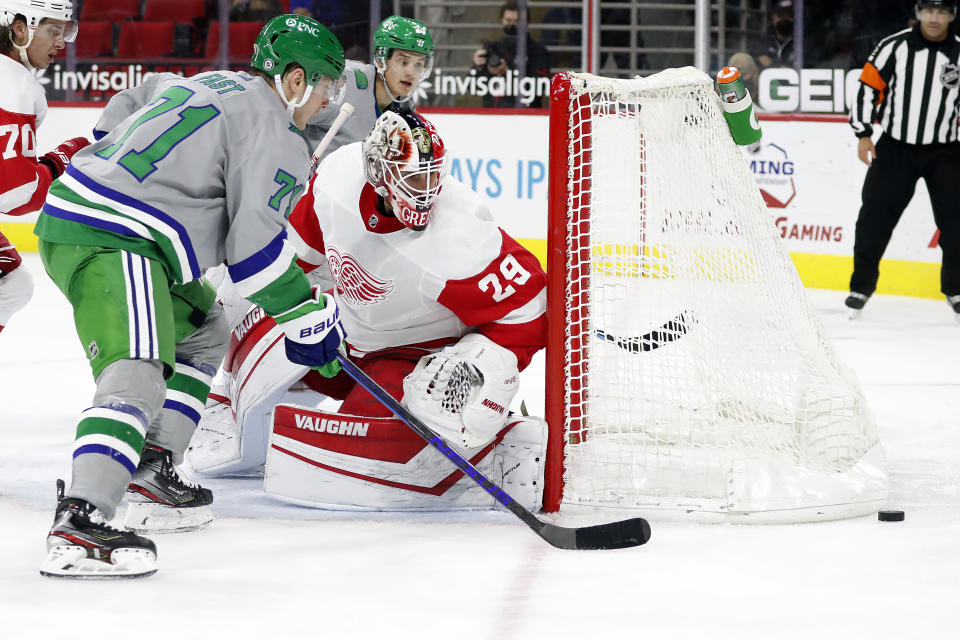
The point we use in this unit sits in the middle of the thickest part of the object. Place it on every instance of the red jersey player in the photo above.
(441, 307)
(31, 34)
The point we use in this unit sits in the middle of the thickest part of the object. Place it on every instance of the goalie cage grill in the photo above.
(746, 416)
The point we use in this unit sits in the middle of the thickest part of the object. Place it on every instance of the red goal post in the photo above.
(685, 370)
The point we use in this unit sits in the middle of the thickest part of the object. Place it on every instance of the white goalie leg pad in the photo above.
(337, 461)
(232, 436)
(464, 391)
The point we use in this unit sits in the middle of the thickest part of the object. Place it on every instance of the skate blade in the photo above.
(150, 517)
(854, 314)
(71, 562)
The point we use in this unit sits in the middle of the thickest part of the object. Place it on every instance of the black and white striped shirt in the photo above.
(912, 87)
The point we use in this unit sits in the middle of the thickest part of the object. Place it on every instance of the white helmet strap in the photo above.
(381, 70)
(22, 49)
(291, 106)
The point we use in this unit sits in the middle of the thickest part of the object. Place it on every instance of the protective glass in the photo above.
(423, 64)
(66, 31)
(333, 90)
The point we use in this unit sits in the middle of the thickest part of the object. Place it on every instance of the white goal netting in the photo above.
(695, 376)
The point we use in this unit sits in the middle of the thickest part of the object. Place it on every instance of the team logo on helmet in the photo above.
(422, 138)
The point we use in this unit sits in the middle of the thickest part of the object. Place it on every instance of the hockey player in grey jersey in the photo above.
(187, 173)
(402, 59)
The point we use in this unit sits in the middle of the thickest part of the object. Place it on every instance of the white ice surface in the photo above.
(271, 570)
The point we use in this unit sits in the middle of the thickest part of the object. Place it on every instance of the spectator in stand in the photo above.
(619, 39)
(565, 16)
(749, 72)
(325, 11)
(254, 10)
(498, 56)
(777, 49)
(357, 53)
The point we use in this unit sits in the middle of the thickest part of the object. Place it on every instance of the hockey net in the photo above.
(685, 368)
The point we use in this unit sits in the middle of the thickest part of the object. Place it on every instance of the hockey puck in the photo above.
(890, 515)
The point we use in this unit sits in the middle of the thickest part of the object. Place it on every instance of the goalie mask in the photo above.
(405, 162)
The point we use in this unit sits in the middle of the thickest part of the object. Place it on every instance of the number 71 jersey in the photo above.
(396, 287)
(190, 172)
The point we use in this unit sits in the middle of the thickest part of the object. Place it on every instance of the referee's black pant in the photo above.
(887, 190)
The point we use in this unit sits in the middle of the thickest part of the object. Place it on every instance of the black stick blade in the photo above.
(666, 333)
(612, 535)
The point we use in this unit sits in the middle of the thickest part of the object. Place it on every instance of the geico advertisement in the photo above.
(807, 90)
(811, 179)
(808, 174)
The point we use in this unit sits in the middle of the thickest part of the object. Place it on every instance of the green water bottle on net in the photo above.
(738, 107)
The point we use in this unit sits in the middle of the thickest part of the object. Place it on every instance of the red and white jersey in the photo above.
(402, 288)
(23, 106)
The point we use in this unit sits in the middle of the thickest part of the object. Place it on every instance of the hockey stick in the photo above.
(655, 338)
(346, 110)
(613, 535)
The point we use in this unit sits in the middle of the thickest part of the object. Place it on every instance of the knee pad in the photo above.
(138, 383)
(16, 289)
(209, 343)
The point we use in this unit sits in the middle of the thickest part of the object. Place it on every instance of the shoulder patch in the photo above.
(361, 79)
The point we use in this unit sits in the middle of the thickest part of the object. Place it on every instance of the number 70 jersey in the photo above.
(396, 287)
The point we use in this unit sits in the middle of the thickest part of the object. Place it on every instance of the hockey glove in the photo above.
(58, 159)
(464, 391)
(313, 333)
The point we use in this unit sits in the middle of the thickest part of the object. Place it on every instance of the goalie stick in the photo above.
(613, 535)
(346, 110)
(655, 338)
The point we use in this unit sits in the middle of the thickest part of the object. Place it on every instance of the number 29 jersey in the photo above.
(398, 288)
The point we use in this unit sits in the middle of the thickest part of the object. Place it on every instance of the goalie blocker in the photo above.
(338, 461)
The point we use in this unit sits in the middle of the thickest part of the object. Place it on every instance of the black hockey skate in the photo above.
(161, 501)
(954, 302)
(81, 545)
(855, 302)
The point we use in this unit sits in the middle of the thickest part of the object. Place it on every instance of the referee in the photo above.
(911, 84)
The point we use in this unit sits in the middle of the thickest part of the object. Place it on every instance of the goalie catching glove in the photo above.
(464, 391)
(313, 332)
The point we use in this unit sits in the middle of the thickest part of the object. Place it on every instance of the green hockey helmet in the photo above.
(295, 39)
(405, 34)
